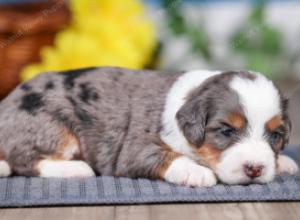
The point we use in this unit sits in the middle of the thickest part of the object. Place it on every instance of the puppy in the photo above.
(192, 128)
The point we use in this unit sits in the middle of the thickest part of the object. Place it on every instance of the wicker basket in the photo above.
(24, 29)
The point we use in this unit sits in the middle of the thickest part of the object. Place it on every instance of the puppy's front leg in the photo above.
(184, 171)
(158, 161)
(286, 164)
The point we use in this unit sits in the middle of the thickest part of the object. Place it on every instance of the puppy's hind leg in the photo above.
(63, 168)
(4, 169)
(62, 162)
(52, 152)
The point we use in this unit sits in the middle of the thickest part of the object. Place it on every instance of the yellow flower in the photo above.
(102, 32)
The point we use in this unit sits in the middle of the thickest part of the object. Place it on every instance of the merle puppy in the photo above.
(190, 128)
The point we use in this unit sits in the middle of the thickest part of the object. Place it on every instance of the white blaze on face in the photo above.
(260, 101)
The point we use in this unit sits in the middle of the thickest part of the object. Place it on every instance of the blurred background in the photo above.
(44, 35)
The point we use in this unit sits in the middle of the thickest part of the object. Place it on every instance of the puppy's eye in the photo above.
(276, 136)
(228, 131)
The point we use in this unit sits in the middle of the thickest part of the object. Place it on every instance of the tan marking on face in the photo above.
(274, 123)
(236, 120)
(210, 156)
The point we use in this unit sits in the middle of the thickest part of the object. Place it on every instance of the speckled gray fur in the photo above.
(115, 113)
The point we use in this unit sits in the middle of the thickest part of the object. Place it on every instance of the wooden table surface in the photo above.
(231, 211)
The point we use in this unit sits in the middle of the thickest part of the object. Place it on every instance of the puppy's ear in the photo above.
(191, 119)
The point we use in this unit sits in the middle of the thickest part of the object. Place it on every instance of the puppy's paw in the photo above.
(184, 171)
(81, 169)
(64, 169)
(287, 165)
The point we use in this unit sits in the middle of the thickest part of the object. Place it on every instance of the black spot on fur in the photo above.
(81, 114)
(32, 102)
(87, 93)
(64, 119)
(71, 75)
(49, 85)
(115, 78)
(72, 101)
(26, 87)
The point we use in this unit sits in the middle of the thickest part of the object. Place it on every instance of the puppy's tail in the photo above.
(4, 169)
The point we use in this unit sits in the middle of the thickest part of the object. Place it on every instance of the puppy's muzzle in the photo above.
(253, 170)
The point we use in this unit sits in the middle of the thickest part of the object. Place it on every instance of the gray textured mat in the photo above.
(20, 191)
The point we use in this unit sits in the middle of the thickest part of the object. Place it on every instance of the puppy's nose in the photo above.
(252, 170)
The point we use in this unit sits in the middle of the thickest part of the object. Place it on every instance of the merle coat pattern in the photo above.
(107, 109)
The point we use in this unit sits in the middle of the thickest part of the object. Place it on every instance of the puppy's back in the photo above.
(103, 108)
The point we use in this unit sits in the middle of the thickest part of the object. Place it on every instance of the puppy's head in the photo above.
(237, 123)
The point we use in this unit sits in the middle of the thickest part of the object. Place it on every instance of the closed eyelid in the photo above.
(227, 125)
(280, 130)
(219, 126)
